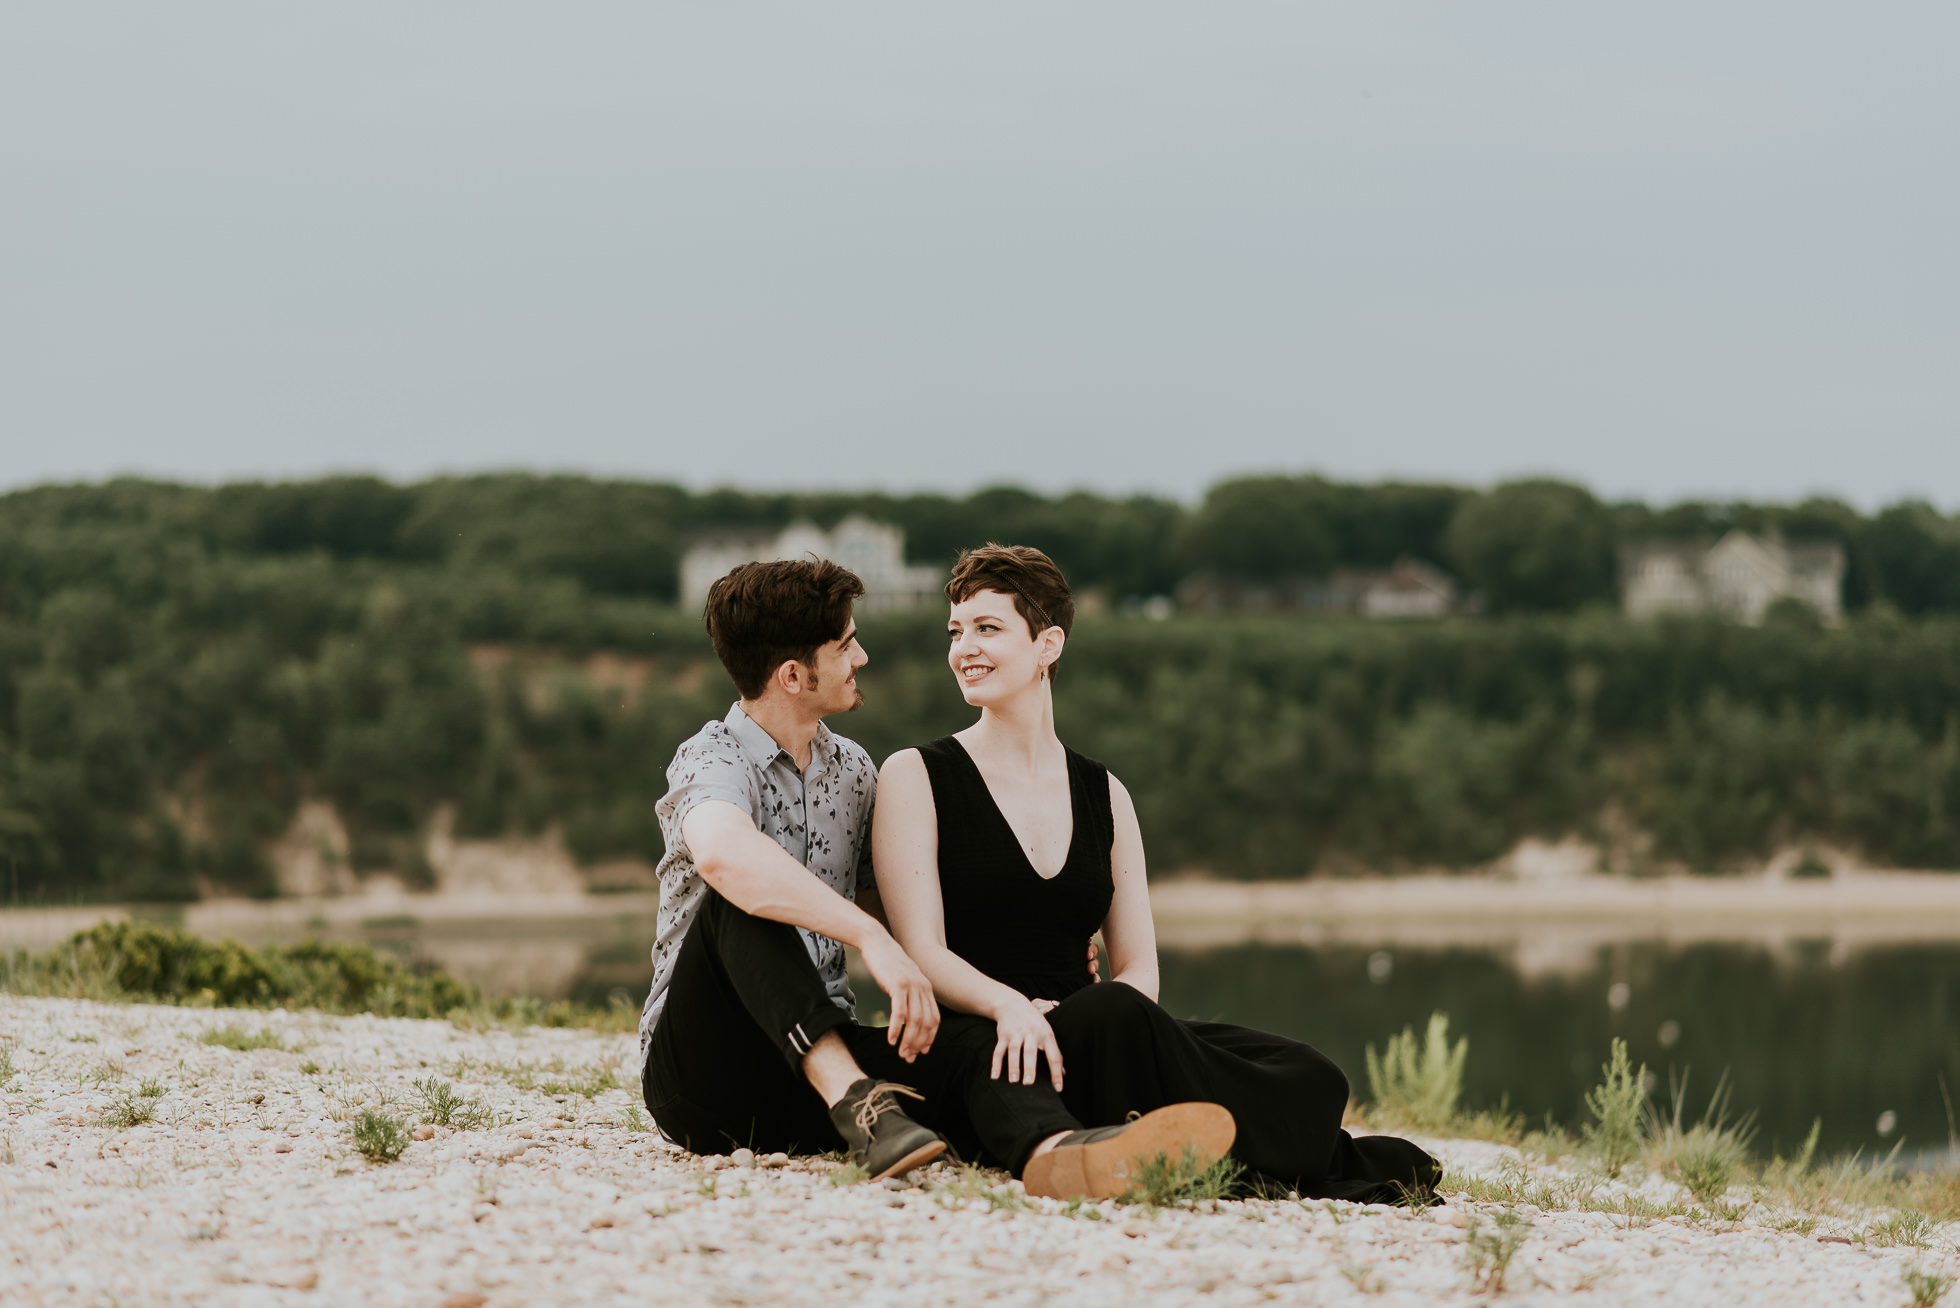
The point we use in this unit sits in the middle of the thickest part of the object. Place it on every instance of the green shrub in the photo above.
(382, 1137)
(1618, 1108)
(134, 960)
(1417, 1085)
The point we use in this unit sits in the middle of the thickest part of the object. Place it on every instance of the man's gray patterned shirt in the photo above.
(821, 815)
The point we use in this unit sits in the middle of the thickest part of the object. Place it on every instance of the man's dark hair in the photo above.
(763, 615)
(1040, 591)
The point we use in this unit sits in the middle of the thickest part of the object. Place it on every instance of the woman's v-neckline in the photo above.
(1074, 827)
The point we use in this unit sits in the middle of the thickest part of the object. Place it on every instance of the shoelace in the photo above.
(878, 1101)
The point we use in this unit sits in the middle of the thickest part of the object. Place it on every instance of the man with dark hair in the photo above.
(767, 824)
(748, 1036)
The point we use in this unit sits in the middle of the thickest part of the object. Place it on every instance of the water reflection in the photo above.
(1800, 1032)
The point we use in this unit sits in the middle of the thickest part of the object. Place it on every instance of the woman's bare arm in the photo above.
(1128, 932)
(905, 857)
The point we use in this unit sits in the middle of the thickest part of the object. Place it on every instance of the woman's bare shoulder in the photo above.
(905, 760)
(907, 770)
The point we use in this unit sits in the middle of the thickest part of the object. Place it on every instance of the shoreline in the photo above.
(1849, 909)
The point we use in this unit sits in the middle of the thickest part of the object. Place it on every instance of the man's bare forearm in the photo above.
(758, 876)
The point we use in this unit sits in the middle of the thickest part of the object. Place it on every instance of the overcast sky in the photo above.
(1664, 249)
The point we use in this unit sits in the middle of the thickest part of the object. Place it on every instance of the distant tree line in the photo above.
(180, 667)
(1528, 546)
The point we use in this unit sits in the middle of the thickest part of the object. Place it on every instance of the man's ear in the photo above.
(791, 677)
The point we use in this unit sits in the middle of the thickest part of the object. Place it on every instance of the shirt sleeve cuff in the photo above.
(700, 793)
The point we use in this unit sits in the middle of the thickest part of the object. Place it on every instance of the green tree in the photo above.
(1535, 546)
(1913, 555)
(1264, 528)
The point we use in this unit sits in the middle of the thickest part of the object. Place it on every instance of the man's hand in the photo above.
(915, 1013)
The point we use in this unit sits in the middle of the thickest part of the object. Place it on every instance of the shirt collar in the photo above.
(763, 751)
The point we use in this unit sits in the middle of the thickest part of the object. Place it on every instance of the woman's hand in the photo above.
(1024, 1035)
(1043, 1006)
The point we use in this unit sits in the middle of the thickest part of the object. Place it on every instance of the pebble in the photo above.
(211, 1205)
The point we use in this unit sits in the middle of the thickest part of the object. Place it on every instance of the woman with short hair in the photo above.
(999, 852)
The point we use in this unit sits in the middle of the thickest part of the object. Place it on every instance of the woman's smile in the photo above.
(972, 672)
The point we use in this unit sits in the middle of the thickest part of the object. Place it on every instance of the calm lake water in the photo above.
(1801, 1030)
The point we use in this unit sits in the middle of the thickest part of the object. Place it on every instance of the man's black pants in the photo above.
(724, 1068)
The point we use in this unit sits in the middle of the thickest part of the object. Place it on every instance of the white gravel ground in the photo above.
(246, 1189)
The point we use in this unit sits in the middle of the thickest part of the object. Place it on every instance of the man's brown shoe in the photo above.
(1104, 1162)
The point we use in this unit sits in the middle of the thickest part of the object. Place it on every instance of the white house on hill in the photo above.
(873, 550)
(1739, 577)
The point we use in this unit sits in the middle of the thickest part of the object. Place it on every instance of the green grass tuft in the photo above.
(7, 1069)
(1908, 1228)
(555, 1078)
(1618, 1107)
(1417, 1085)
(1490, 1246)
(971, 1183)
(1707, 1157)
(1926, 1286)
(382, 1137)
(237, 1038)
(126, 1111)
(1183, 1182)
(442, 1106)
(848, 1173)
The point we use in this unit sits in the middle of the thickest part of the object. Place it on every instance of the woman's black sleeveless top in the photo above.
(1001, 915)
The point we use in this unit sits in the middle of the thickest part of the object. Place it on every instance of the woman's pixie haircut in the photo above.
(1040, 591)
(763, 615)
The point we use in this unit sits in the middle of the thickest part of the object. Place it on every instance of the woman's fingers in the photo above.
(1054, 1052)
(1015, 1056)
